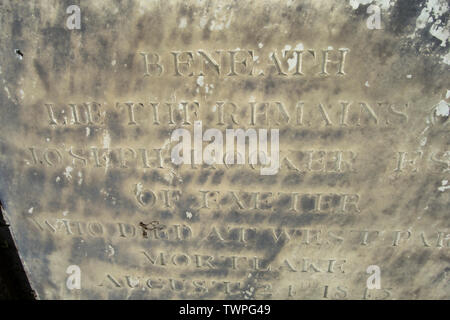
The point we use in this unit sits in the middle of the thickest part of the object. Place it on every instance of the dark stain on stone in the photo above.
(186, 38)
(203, 176)
(249, 85)
(217, 177)
(43, 75)
(269, 86)
(403, 16)
(293, 179)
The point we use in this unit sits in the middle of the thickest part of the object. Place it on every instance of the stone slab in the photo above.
(358, 207)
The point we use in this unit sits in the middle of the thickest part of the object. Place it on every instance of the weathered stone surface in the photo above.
(87, 178)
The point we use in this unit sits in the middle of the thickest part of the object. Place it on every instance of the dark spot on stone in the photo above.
(307, 203)
(249, 85)
(203, 176)
(293, 179)
(186, 37)
(187, 178)
(217, 177)
(269, 86)
(43, 75)
(403, 16)
(19, 54)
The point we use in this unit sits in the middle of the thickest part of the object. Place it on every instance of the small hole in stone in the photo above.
(19, 54)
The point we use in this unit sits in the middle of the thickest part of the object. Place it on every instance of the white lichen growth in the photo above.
(67, 172)
(445, 186)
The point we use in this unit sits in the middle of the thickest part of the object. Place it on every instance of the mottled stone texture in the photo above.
(86, 177)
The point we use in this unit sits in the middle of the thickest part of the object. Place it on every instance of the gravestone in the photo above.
(227, 149)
